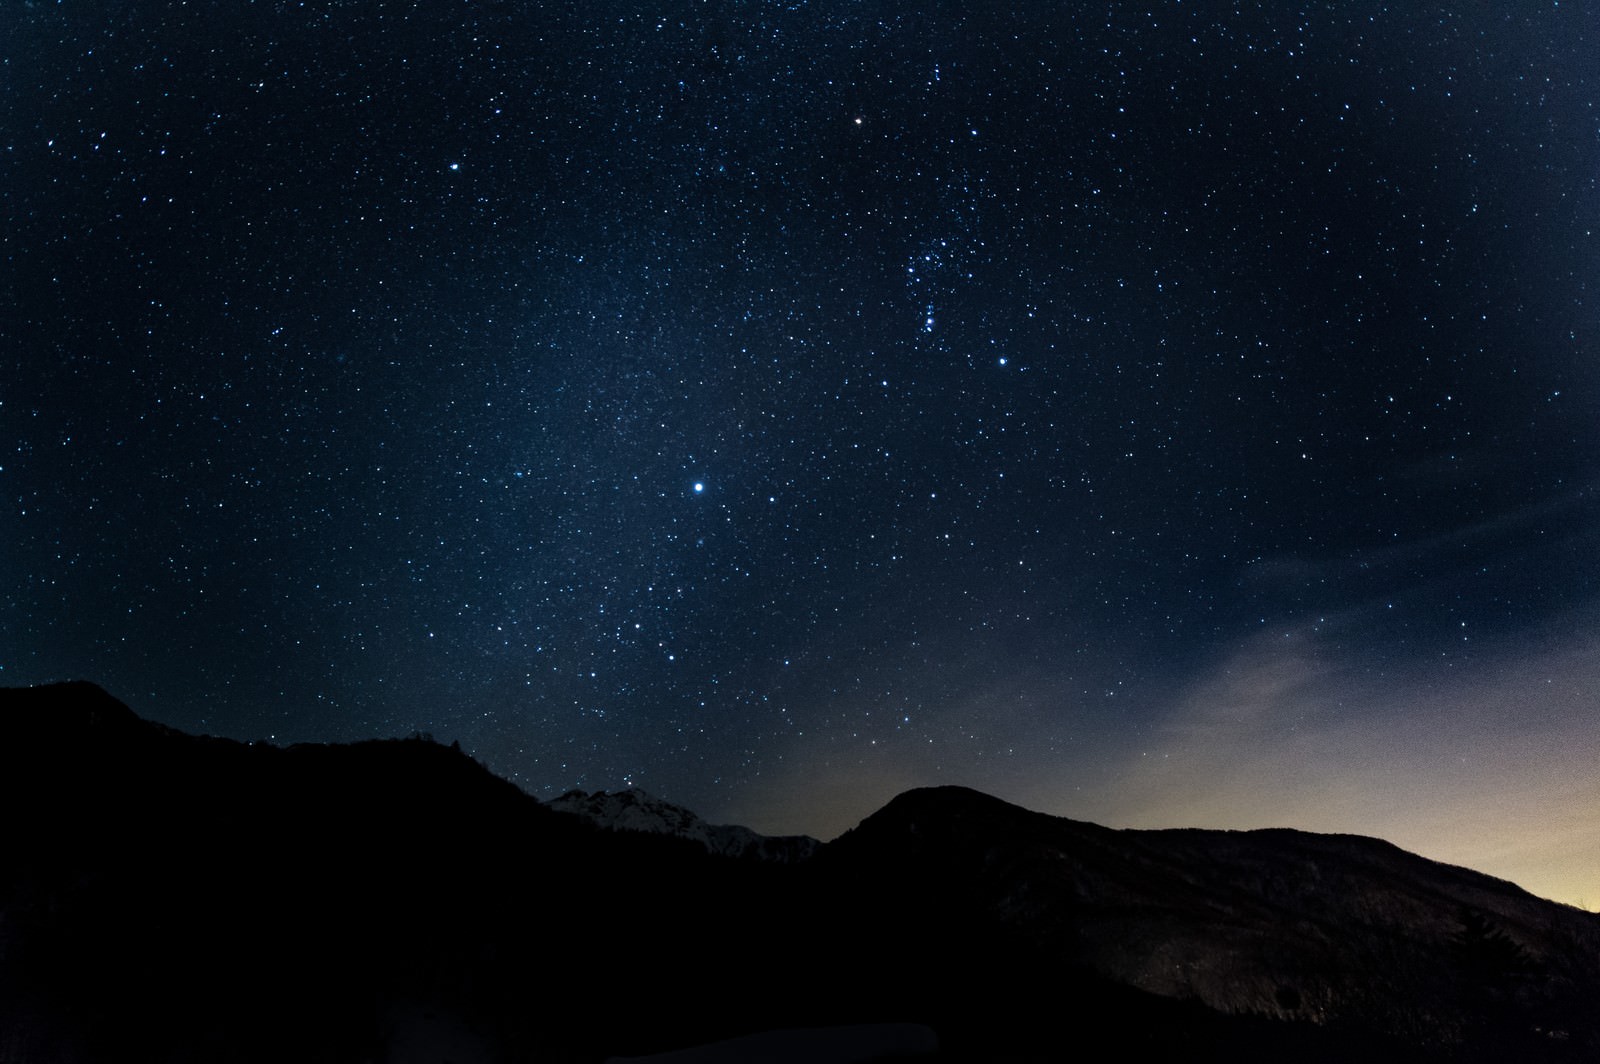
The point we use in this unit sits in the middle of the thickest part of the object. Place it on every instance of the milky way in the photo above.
(1176, 413)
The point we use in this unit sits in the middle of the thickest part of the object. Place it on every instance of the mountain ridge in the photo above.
(1247, 921)
(337, 896)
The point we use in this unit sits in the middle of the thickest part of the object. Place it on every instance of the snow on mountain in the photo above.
(637, 810)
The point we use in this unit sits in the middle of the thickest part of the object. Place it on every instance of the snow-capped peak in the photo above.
(637, 810)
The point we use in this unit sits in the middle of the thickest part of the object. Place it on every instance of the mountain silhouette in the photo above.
(174, 897)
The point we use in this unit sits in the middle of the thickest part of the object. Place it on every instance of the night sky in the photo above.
(1174, 413)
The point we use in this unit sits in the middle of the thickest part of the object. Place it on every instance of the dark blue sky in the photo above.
(1162, 413)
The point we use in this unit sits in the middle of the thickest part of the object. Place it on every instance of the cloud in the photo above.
(1485, 762)
(1499, 554)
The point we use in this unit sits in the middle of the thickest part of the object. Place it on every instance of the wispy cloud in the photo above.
(1486, 762)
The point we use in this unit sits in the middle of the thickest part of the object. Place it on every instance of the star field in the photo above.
(1159, 414)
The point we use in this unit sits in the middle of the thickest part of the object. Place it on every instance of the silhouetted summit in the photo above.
(1334, 929)
(167, 896)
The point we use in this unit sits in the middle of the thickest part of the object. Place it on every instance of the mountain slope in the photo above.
(167, 896)
(1331, 929)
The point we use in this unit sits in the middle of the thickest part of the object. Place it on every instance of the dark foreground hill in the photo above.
(170, 897)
